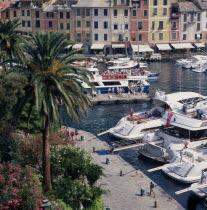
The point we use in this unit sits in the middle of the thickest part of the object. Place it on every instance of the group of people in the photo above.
(133, 88)
(73, 134)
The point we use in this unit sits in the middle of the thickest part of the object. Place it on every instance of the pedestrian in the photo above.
(152, 186)
(141, 90)
(72, 133)
(128, 93)
(112, 90)
(76, 134)
(203, 176)
(109, 90)
(67, 132)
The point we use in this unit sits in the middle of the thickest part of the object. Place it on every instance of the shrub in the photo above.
(19, 188)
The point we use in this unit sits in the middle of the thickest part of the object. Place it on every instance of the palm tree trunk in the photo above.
(46, 156)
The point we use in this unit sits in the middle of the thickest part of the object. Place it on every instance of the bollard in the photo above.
(143, 192)
(121, 173)
(82, 138)
(94, 149)
(107, 161)
(155, 204)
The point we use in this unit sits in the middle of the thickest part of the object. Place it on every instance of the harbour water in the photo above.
(103, 117)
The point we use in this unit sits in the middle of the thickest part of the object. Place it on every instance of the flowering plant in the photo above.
(19, 188)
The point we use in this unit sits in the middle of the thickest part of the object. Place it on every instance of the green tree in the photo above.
(53, 82)
(11, 40)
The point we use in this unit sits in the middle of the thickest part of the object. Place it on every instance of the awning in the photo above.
(77, 46)
(142, 48)
(164, 47)
(69, 46)
(178, 46)
(97, 46)
(118, 45)
(199, 45)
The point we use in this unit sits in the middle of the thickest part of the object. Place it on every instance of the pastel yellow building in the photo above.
(159, 21)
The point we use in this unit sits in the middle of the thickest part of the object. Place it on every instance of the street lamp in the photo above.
(136, 4)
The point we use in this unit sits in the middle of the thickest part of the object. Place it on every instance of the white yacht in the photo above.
(134, 127)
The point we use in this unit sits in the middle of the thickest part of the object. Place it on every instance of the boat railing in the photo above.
(114, 77)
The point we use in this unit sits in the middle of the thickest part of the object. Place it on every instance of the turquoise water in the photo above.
(101, 118)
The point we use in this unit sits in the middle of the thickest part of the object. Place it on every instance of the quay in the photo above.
(116, 99)
(122, 181)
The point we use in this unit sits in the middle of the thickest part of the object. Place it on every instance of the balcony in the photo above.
(174, 28)
(174, 16)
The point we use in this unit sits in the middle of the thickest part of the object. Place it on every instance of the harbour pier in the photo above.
(127, 187)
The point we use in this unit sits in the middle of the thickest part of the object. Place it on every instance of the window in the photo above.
(96, 25)
(88, 12)
(174, 25)
(160, 24)
(140, 37)
(78, 23)
(88, 24)
(155, 11)
(22, 12)
(206, 25)
(134, 13)
(23, 23)
(28, 24)
(185, 18)
(61, 26)
(126, 12)
(7, 15)
(191, 16)
(49, 14)
(145, 13)
(122, 1)
(14, 13)
(127, 38)
(145, 2)
(184, 36)
(126, 26)
(28, 13)
(164, 11)
(153, 24)
(61, 15)
(79, 37)
(96, 12)
(115, 2)
(78, 12)
(105, 25)
(105, 37)
(115, 26)
(184, 26)
(115, 12)
(88, 37)
(37, 23)
(37, 14)
(173, 35)
(160, 36)
(68, 26)
(153, 36)
(198, 26)
(121, 37)
(68, 15)
(154, 2)
(139, 25)
(96, 37)
(164, 2)
(50, 24)
(105, 12)
(199, 17)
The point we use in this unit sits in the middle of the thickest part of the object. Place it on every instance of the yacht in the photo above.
(134, 127)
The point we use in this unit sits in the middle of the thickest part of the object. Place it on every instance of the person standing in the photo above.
(112, 90)
(203, 176)
(152, 186)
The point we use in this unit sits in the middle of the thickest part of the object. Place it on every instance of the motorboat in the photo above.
(201, 191)
(200, 69)
(135, 126)
(189, 170)
(116, 80)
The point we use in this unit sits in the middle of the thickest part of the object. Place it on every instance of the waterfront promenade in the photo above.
(123, 192)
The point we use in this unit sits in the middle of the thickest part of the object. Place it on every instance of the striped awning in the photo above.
(141, 48)
(178, 46)
(77, 46)
(199, 45)
(97, 46)
(164, 47)
(118, 45)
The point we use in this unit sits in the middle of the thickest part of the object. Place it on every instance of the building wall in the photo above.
(37, 18)
(3, 4)
(157, 34)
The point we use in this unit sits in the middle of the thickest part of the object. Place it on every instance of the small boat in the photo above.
(199, 69)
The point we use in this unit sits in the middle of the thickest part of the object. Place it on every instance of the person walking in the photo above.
(152, 186)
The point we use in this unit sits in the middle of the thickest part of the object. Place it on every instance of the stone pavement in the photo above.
(123, 192)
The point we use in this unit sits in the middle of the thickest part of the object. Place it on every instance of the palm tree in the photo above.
(11, 40)
(53, 81)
